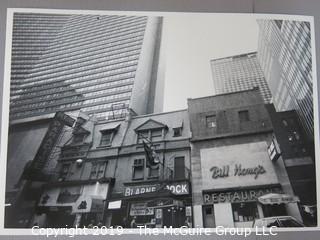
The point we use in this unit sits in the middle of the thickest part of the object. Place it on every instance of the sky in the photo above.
(191, 41)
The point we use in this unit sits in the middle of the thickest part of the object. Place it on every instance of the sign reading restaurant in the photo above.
(177, 188)
(234, 196)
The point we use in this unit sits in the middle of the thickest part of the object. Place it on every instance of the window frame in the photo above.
(154, 176)
(244, 116)
(177, 132)
(150, 136)
(211, 124)
(97, 166)
(137, 165)
(251, 210)
(64, 174)
(104, 133)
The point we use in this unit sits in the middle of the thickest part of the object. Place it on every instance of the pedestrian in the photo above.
(125, 222)
(133, 223)
(187, 223)
(92, 223)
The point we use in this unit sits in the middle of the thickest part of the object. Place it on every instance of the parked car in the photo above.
(278, 221)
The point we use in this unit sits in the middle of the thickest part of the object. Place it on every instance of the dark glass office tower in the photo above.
(99, 64)
(238, 73)
(284, 52)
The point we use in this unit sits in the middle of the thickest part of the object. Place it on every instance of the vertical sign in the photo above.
(50, 139)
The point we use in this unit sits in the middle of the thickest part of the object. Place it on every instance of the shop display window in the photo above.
(245, 211)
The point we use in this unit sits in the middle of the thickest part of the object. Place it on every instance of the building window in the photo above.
(177, 132)
(106, 138)
(154, 172)
(151, 135)
(138, 169)
(244, 116)
(211, 121)
(64, 171)
(143, 136)
(78, 138)
(245, 211)
(179, 168)
(156, 135)
(98, 170)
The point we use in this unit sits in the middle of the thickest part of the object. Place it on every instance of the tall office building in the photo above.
(238, 73)
(284, 52)
(99, 64)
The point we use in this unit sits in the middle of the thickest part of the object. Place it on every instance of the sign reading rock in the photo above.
(177, 188)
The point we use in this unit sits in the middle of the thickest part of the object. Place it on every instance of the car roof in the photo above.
(275, 217)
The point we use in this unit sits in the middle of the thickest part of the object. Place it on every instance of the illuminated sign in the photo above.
(221, 172)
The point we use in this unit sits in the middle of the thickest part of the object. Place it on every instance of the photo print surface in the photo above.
(122, 119)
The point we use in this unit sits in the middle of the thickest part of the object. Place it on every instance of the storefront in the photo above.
(239, 182)
(153, 205)
(71, 206)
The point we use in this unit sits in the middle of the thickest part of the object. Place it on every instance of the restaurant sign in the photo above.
(177, 188)
(238, 170)
(238, 195)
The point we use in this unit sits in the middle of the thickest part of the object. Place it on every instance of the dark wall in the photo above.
(24, 141)
(226, 109)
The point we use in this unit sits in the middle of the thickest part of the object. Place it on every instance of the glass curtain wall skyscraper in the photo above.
(284, 52)
(238, 73)
(100, 64)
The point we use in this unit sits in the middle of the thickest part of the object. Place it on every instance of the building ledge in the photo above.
(228, 135)
(80, 182)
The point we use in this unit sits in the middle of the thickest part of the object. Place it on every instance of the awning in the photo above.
(277, 198)
(178, 123)
(110, 126)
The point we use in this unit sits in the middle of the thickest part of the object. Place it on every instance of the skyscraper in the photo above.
(99, 64)
(238, 73)
(284, 52)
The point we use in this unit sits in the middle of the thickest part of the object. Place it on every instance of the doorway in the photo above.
(208, 216)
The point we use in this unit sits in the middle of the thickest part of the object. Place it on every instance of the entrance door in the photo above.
(208, 217)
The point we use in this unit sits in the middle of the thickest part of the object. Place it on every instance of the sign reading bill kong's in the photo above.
(54, 130)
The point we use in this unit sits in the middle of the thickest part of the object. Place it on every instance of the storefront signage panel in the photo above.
(55, 128)
(239, 165)
(238, 196)
(238, 170)
(141, 209)
(178, 188)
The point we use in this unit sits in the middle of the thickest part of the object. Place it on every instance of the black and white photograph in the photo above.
(131, 119)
